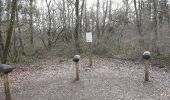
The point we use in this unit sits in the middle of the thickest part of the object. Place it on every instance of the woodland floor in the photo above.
(107, 79)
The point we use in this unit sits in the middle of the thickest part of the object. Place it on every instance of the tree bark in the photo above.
(85, 16)
(1, 38)
(8, 6)
(138, 22)
(149, 11)
(77, 27)
(155, 24)
(105, 9)
(81, 16)
(126, 3)
(31, 23)
(9, 32)
(97, 19)
(110, 11)
(19, 32)
(64, 15)
(49, 25)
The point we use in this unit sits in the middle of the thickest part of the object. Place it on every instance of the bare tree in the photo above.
(155, 24)
(77, 27)
(49, 24)
(81, 16)
(138, 21)
(110, 10)
(138, 13)
(1, 39)
(31, 23)
(19, 31)
(126, 3)
(105, 11)
(8, 7)
(64, 14)
(97, 19)
(9, 32)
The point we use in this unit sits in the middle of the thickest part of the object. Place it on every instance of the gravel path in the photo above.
(107, 79)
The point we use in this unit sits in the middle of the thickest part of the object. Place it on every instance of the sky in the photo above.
(94, 1)
(89, 2)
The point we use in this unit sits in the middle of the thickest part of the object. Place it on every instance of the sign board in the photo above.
(89, 37)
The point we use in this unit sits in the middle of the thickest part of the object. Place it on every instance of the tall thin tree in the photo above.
(9, 32)
(49, 24)
(97, 19)
(77, 27)
(155, 28)
(1, 39)
(31, 23)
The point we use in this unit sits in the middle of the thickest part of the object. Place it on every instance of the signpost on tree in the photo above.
(89, 40)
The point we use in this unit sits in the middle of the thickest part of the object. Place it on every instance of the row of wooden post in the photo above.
(146, 70)
(146, 57)
(76, 60)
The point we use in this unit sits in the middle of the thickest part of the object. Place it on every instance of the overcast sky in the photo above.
(94, 1)
(116, 3)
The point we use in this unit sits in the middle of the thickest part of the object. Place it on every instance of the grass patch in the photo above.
(161, 59)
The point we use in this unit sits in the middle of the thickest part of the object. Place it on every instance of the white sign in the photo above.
(89, 37)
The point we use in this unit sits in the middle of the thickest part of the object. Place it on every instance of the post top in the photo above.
(76, 58)
(146, 53)
(4, 68)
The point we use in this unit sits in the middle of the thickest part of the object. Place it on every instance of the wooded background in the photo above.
(37, 28)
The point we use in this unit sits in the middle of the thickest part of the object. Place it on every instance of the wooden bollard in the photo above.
(90, 55)
(6, 69)
(77, 71)
(7, 87)
(146, 57)
(76, 59)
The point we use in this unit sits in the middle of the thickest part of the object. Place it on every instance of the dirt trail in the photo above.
(108, 79)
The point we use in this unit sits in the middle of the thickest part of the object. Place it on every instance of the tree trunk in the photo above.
(14, 47)
(77, 27)
(155, 23)
(64, 15)
(9, 32)
(31, 23)
(1, 38)
(126, 3)
(19, 32)
(105, 9)
(81, 16)
(110, 11)
(97, 19)
(139, 23)
(85, 16)
(138, 19)
(49, 25)
(149, 11)
(8, 6)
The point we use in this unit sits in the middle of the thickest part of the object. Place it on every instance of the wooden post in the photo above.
(7, 88)
(76, 59)
(146, 70)
(77, 70)
(146, 57)
(90, 54)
